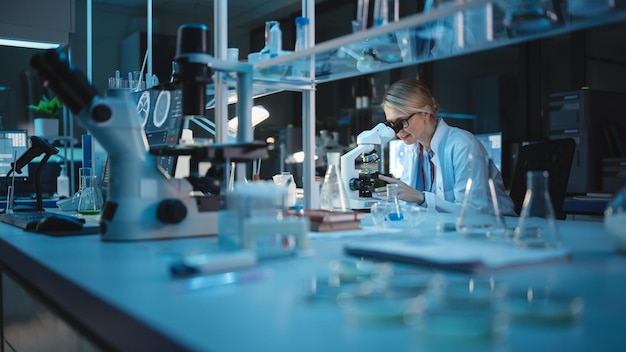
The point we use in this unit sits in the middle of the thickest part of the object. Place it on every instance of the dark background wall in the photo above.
(507, 88)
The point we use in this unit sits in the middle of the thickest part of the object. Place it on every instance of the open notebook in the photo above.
(456, 254)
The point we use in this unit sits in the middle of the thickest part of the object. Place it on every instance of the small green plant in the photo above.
(47, 108)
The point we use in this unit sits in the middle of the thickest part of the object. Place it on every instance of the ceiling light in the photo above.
(28, 44)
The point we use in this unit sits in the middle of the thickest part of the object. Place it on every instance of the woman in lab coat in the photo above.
(437, 163)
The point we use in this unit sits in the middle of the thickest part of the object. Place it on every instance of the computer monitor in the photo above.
(13, 143)
(493, 144)
(161, 114)
(397, 150)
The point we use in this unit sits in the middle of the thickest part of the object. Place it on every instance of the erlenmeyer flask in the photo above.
(480, 215)
(536, 227)
(333, 195)
(90, 201)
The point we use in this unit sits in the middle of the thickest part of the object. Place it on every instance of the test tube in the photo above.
(9, 208)
(10, 192)
(118, 79)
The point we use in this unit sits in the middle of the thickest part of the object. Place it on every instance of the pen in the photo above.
(213, 263)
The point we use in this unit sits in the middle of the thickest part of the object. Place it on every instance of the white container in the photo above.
(63, 183)
(46, 127)
(255, 218)
(286, 179)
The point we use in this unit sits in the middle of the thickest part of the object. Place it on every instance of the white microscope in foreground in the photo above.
(360, 167)
(143, 202)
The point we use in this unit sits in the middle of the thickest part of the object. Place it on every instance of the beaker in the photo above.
(273, 39)
(480, 215)
(333, 195)
(536, 227)
(286, 179)
(90, 198)
(392, 199)
(393, 213)
(386, 212)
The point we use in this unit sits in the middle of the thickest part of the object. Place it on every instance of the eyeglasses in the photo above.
(402, 122)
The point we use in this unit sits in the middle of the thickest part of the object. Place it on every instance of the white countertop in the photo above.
(123, 293)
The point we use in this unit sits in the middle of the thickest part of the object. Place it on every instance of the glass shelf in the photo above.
(445, 32)
(260, 88)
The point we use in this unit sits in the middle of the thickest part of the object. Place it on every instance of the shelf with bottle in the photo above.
(446, 31)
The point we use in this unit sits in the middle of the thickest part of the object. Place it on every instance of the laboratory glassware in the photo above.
(536, 227)
(480, 215)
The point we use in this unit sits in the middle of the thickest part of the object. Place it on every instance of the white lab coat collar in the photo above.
(408, 176)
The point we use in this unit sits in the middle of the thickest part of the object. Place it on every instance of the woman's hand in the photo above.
(405, 192)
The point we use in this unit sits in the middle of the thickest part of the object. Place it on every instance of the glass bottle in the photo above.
(333, 195)
(536, 227)
(273, 42)
(385, 11)
(301, 66)
(480, 215)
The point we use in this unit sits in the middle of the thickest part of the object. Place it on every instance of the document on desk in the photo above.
(362, 232)
(456, 254)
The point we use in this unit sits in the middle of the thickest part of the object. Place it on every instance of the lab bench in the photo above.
(121, 296)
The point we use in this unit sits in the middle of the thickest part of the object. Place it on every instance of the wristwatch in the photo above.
(423, 203)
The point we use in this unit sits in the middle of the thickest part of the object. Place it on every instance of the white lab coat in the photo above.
(451, 147)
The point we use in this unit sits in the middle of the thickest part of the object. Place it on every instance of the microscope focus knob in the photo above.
(171, 211)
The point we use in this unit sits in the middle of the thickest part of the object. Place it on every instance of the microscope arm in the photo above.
(380, 134)
(347, 168)
(366, 142)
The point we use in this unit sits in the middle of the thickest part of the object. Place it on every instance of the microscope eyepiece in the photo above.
(71, 85)
(192, 38)
(193, 70)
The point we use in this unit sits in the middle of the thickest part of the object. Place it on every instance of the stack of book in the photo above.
(324, 220)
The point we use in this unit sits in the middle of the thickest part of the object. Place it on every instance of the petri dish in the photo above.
(468, 308)
(358, 270)
(477, 292)
(329, 288)
(414, 282)
(543, 306)
(375, 303)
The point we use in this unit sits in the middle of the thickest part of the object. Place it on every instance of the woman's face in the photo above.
(415, 127)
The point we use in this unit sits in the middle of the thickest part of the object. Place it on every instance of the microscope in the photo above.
(143, 201)
(360, 167)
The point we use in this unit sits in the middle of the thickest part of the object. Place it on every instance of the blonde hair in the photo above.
(410, 95)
